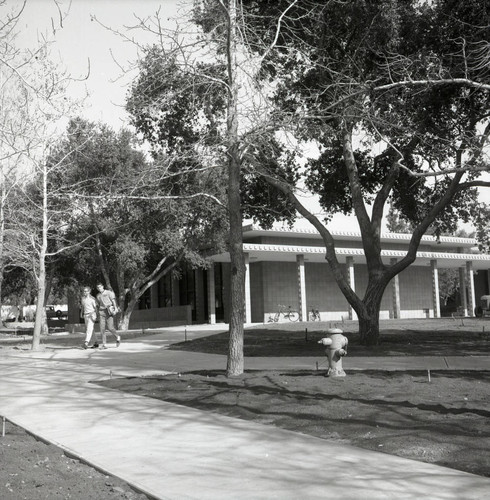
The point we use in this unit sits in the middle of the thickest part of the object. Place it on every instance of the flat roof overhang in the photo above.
(251, 230)
(288, 253)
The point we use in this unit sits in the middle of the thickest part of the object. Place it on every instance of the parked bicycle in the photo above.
(288, 313)
(314, 315)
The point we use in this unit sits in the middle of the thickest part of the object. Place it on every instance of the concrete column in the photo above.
(248, 304)
(462, 291)
(211, 295)
(395, 292)
(471, 288)
(349, 264)
(303, 308)
(435, 289)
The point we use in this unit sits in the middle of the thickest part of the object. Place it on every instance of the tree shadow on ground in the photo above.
(444, 421)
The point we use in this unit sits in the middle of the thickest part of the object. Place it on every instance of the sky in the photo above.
(84, 47)
(83, 43)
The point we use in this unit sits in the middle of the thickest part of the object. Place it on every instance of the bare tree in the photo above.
(12, 124)
(198, 99)
(35, 91)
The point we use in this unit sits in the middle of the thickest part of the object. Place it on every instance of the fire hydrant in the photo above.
(336, 349)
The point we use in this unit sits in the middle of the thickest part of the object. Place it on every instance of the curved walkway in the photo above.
(170, 451)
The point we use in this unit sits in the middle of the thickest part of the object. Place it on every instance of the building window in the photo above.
(187, 290)
(145, 300)
(165, 291)
(219, 291)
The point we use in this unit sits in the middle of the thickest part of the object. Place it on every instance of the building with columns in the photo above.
(287, 267)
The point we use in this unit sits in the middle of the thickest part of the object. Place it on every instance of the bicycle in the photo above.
(289, 314)
(314, 315)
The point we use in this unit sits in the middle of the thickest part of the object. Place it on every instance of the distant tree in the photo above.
(449, 284)
(13, 121)
(19, 289)
(136, 222)
(395, 224)
(34, 101)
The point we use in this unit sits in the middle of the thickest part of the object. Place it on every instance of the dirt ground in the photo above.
(444, 421)
(33, 470)
(441, 420)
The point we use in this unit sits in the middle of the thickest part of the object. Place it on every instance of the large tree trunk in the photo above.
(40, 320)
(369, 329)
(235, 362)
(40, 323)
(369, 314)
(126, 312)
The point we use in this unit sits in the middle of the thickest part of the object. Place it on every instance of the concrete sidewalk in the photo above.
(175, 452)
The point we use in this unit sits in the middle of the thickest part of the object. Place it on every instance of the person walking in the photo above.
(89, 310)
(107, 310)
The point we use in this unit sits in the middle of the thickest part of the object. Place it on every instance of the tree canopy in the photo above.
(396, 97)
(134, 222)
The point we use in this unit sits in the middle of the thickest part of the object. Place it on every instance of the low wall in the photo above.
(161, 316)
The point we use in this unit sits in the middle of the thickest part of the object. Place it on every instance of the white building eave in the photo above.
(287, 253)
(251, 230)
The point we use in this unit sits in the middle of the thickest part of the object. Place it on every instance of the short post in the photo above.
(3, 426)
(336, 349)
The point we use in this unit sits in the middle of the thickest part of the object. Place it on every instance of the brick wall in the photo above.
(280, 286)
(275, 283)
(416, 292)
(161, 316)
